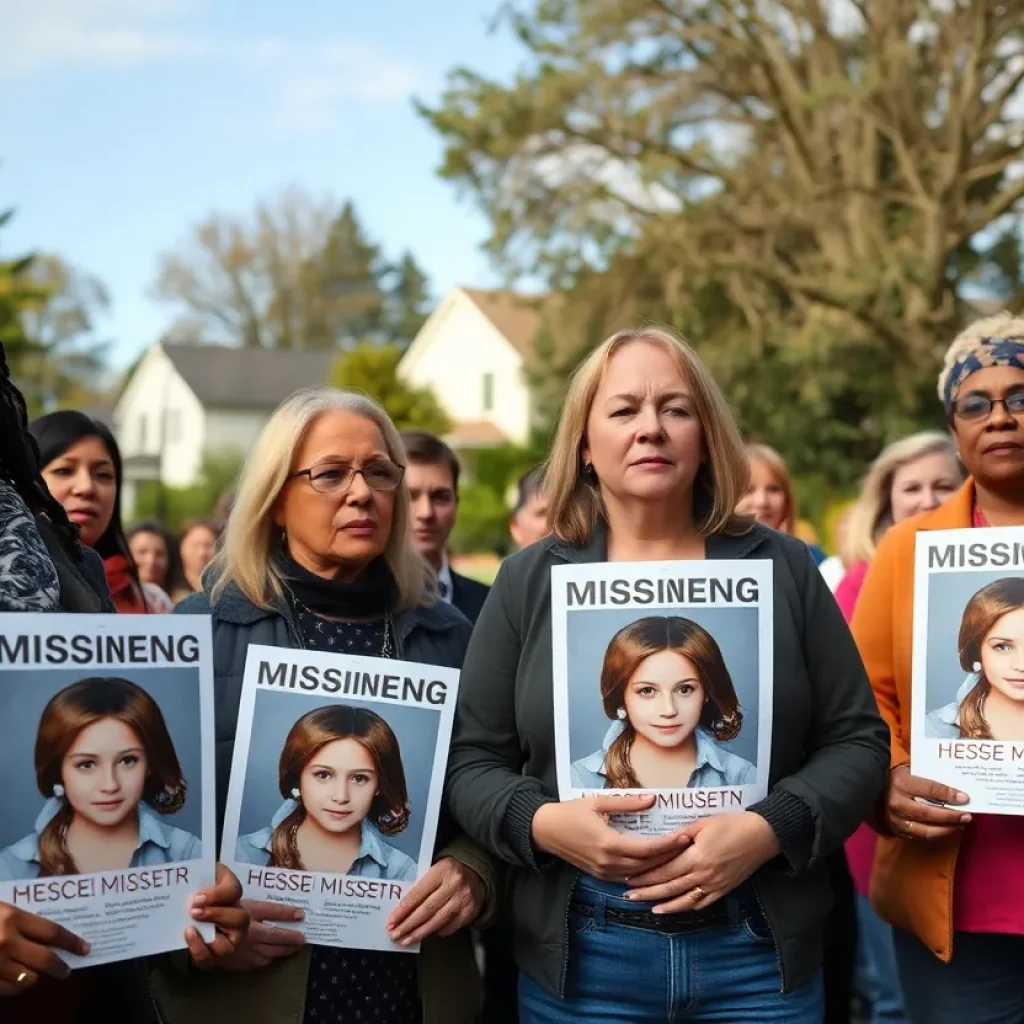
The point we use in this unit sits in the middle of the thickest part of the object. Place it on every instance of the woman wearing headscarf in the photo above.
(950, 882)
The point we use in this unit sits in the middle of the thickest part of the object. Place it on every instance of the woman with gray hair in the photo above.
(317, 554)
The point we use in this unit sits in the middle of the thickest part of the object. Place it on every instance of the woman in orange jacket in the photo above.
(950, 882)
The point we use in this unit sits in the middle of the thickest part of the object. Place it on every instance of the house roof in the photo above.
(515, 316)
(476, 434)
(247, 378)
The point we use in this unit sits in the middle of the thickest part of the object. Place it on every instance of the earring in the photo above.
(58, 791)
(621, 714)
(295, 793)
(976, 666)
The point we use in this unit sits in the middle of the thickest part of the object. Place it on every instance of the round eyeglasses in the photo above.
(977, 406)
(337, 477)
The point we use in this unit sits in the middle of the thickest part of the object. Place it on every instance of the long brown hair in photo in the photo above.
(310, 734)
(65, 716)
(983, 611)
(633, 644)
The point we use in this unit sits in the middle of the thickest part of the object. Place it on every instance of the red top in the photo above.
(988, 894)
(124, 590)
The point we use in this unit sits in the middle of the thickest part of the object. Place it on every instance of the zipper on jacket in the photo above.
(775, 939)
(952, 882)
(565, 946)
(152, 999)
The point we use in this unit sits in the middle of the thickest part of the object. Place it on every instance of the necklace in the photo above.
(387, 649)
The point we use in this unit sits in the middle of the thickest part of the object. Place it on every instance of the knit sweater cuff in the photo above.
(518, 825)
(793, 823)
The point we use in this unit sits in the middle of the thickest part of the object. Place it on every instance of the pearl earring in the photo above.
(621, 714)
(976, 666)
(58, 791)
(296, 794)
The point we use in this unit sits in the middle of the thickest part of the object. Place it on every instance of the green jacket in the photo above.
(829, 759)
(449, 979)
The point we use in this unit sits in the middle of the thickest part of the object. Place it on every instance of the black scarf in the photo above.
(373, 594)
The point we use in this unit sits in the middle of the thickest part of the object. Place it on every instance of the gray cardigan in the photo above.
(830, 747)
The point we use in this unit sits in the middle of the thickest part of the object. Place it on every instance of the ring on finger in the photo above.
(910, 829)
(21, 977)
(697, 894)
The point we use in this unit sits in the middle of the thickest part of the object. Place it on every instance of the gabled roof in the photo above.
(517, 317)
(247, 378)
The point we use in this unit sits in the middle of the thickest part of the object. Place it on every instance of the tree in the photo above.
(408, 300)
(66, 360)
(298, 273)
(373, 369)
(16, 291)
(810, 188)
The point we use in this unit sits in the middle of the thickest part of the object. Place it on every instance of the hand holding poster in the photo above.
(967, 701)
(106, 746)
(663, 684)
(335, 786)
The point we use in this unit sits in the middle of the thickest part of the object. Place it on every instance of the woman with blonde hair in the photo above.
(648, 464)
(950, 882)
(912, 475)
(317, 554)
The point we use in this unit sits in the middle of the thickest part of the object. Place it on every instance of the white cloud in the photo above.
(307, 82)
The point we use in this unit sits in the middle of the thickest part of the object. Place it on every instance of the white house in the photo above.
(185, 400)
(471, 353)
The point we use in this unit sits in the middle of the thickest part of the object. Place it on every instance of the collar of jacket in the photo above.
(234, 607)
(718, 545)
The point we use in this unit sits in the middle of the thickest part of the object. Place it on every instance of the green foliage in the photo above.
(482, 524)
(408, 301)
(174, 506)
(805, 196)
(373, 369)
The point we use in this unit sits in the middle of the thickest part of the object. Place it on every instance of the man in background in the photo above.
(530, 516)
(433, 479)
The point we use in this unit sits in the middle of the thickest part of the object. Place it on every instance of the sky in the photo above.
(128, 121)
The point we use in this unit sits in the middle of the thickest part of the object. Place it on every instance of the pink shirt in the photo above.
(860, 847)
(988, 888)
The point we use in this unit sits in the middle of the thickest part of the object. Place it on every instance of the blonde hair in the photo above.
(1001, 325)
(871, 515)
(246, 555)
(776, 465)
(574, 503)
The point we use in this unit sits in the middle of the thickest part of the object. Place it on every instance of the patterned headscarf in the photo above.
(996, 341)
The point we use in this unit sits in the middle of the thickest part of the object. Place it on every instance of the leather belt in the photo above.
(670, 924)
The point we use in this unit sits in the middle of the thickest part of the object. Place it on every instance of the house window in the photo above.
(173, 425)
(142, 433)
(488, 392)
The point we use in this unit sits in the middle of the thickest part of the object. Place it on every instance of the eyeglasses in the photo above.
(979, 407)
(337, 477)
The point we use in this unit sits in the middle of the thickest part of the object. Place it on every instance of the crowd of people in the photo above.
(852, 883)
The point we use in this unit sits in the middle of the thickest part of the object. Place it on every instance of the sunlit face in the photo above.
(197, 548)
(432, 507)
(337, 534)
(338, 785)
(1002, 655)
(765, 497)
(923, 484)
(530, 523)
(83, 481)
(104, 772)
(664, 699)
(992, 448)
(150, 554)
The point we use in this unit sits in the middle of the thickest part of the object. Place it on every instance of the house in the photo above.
(471, 353)
(182, 401)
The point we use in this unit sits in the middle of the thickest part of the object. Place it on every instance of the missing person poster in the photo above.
(663, 684)
(967, 700)
(106, 752)
(335, 786)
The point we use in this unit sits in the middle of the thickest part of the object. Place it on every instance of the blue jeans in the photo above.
(982, 984)
(881, 981)
(624, 975)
